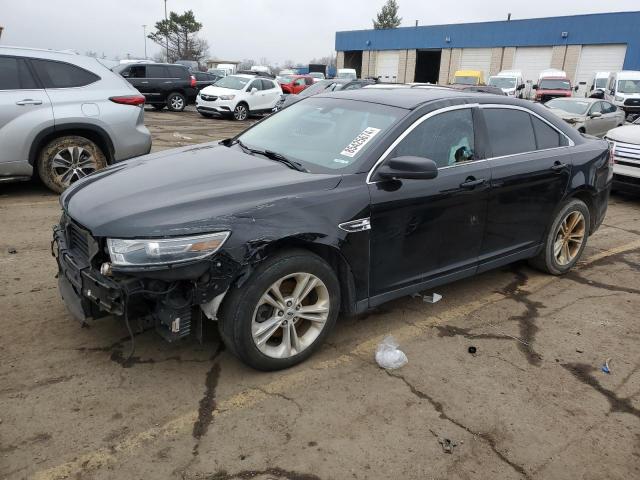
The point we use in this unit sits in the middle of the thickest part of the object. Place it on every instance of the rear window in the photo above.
(156, 71)
(178, 72)
(55, 74)
(267, 84)
(15, 75)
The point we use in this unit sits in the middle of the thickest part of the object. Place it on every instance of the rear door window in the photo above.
(446, 138)
(547, 136)
(255, 84)
(510, 131)
(15, 74)
(156, 71)
(137, 71)
(179, 72)
(267, 85)
(55, 74)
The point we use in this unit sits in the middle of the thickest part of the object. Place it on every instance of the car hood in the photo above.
(625, 134)
(190, 190)
(568, 115)
(213, 90)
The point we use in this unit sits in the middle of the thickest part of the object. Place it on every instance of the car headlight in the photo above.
(618, 98)
(162, 251)
(227, 97)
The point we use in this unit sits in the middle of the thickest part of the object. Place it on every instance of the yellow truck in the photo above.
(468, 77)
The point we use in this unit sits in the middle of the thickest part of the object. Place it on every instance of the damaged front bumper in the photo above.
(171, 299)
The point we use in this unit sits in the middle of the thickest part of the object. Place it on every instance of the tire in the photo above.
(559, 255)
(206, 115)
(158, 107)
(67, 159)
(241, 112)
(176, 102)
(244, 312)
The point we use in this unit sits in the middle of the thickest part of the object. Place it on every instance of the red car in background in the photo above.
(295, 83)
(553, 87)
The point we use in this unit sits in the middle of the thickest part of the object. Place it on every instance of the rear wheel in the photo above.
(176, 102)
(241, 112)
(566, 239)
(65, 160)
(283, 312)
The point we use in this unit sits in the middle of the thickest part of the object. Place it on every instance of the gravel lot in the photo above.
(531, 403)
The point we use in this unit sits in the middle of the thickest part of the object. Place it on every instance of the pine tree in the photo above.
(388, 16)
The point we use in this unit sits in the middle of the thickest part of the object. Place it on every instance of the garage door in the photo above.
(387, 66)
(476, 59)
(531, 61)
(598, 58)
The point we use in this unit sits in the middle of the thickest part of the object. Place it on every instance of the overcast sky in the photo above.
(237, 29)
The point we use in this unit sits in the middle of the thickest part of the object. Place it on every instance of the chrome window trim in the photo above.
(412, 127)
(425, 117)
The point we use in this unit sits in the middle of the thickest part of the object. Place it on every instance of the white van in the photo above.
(510, 81)
(347, 73)
(261, 69)
(227, 68)
(598, 82)
(623, 90)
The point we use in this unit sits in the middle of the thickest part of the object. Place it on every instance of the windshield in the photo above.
(465, 80)
(629, 86)
(347, 75)
(324, 134)
(232, 82)
(503, 82)
(217, 71)
(554, 84)
(601, 82)
(571, 106)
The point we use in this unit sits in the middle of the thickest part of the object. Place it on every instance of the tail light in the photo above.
(193, 81)
(136, 100)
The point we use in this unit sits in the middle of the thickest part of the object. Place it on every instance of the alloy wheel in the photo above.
(73, 163)
(240, 113)
(290, 315)
(569, 238)
(177, 103)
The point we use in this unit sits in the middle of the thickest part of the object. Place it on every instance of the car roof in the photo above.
(408, 98)
(628, 75)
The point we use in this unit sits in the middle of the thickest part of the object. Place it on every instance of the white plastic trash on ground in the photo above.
(389, 356)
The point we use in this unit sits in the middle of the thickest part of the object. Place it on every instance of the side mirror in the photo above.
(596, 115)
(535, 86)
(575, 89)
(520, 87)
(413, 168)
(253, 90)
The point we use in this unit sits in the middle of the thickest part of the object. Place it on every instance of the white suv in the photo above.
(239, 96)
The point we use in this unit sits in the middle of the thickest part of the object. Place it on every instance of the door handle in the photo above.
(29, 101)
(471, 183)
(558, 166)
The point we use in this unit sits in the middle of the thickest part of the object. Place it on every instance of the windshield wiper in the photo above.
(271, 155)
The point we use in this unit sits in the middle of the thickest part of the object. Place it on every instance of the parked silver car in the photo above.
(588, 115)
(65, 116)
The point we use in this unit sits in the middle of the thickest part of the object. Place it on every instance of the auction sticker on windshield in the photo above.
(359, 142)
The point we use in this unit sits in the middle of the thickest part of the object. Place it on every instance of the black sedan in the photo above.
(338, 203)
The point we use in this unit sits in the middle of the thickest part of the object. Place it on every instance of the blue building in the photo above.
(580, 45)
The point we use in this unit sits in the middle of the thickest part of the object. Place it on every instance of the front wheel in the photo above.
(282, 314)
(68, 159)
(566, 239)
(241, 112)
